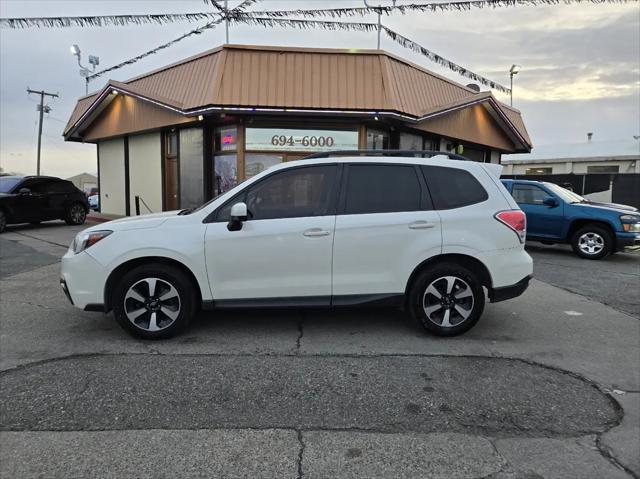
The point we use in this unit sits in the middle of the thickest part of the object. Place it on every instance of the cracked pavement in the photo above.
(531, 392)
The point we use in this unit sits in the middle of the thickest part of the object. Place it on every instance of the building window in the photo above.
(225, 159)
(172, 144)
(226, 138)
(191, 166)
(303, 140)
(377, 140)
(603, 169)
(539, 171)
(409, 141)
(255, 163)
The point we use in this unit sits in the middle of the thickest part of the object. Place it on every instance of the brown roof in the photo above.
(239, 76)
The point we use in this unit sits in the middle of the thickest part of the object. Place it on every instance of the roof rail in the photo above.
(413, 153)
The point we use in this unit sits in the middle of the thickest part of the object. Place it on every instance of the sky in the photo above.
(580, 64)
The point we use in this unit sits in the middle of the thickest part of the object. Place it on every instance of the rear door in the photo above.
(385, 227)
(31, 206)
(543, 221)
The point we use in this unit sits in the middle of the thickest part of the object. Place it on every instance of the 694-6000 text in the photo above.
(312, 141)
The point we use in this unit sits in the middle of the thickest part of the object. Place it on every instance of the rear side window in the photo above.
(453, 188)
(381, 189)
(528, 194)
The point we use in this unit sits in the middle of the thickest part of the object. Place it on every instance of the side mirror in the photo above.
(550, 201)
(238, 216)
(24, 191)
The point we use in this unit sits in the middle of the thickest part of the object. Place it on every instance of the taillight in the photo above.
(515, 220)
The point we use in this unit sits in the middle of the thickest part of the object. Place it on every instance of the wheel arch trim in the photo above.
(474, 264)
(125, 266)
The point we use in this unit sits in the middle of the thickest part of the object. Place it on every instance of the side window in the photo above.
(381, 189)
(293, 193)
(528, 194)
(38, 186)
(452, 187)
(59, 187)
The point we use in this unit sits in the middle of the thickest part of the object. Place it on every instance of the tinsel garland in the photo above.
(196, 31)
(119, 20)
(434, 57)
(417, 7)
(243, 18)
(104, 20)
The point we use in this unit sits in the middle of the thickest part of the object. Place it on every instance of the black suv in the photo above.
(32, 199)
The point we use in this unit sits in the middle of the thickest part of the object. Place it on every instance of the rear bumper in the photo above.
(507, 292)
(627, 241)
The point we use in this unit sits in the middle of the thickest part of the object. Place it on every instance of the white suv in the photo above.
(424, 234)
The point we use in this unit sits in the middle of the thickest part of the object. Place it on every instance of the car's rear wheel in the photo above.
(76, 214)
(447, 299)
(3, 221)
(154, 301)
(592, 242)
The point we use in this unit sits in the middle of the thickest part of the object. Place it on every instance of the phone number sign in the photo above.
(289, 139)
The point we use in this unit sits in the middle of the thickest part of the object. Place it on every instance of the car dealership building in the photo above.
(181, 134)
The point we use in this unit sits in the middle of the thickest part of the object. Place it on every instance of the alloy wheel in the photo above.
(152, 304)
(591, 243)
(448, 301)
(77, 214)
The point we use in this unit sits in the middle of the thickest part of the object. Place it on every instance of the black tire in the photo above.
(3, 221)
(465, 282)
(76, 214)
(35, 222)
(135, 281)
(592, 242)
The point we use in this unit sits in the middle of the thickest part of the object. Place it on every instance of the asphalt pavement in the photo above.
(614, 280)
(545, 386)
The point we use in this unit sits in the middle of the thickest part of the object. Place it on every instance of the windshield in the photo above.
(565, 194)
(8, 182)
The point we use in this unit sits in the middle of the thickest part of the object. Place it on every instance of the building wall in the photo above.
(111, 170)
(575, 167)
(145, 172)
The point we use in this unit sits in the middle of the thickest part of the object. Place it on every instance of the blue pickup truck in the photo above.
(557, 215)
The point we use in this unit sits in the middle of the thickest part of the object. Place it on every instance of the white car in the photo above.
(94, 202)
(423, 234)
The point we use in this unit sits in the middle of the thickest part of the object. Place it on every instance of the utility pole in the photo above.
(41, 109)
(226, 20)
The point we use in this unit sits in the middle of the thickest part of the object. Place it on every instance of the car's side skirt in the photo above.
(390, 300)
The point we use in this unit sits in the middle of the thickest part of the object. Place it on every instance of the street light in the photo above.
(514, 70)
(84, 71)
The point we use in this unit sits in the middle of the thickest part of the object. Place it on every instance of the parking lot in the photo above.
(545, 386)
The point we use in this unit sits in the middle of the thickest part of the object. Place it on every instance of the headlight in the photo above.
(630, 223)
(85, 240)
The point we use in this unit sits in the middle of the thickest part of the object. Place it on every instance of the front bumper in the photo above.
(82, 280)
(507, 292)
(627, 241)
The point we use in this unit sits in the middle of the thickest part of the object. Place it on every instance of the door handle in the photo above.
(316, 232)
(421, 225)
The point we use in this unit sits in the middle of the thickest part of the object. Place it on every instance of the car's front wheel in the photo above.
(3, 221)
(447, 299)
(592, 242)
(76, 214)
(154, 301)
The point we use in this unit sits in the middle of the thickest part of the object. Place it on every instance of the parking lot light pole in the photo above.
(84, 71)
(513, 71)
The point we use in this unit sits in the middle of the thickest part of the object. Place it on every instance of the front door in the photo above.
(284, 248)
(543, 221)
(171, 184)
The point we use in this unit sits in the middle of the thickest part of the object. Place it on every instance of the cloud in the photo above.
(580, 64)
